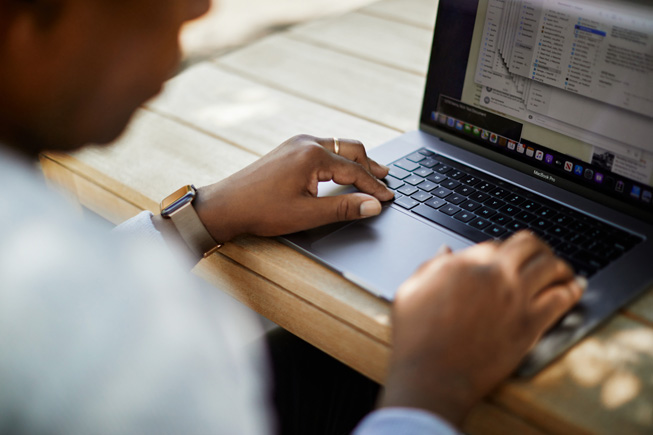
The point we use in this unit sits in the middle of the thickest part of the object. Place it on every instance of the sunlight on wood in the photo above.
(620, 389)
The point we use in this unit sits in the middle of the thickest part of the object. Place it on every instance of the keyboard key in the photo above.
(423, 172)
(494, 203)
(517, 226)
(485, 187)
(416, 157)
(531, 206)
(590, 259)
(427, 186)
(465, 190)
(464, 216)
(495, 231)
(393, 183)
(414, 180)
(426, 152)
(581, 268)
(525, 216)
(406, 202)
(480, 196)
(429, 163)
(455, 198)
(436, 178)
(579, 227)
(547, 212)
(441, 192)
(501, 219)
(407, 165)
(456, 174)
(443, 169)
(479, 223)
(451, 224)
(499, 193)
(407, 190)
(563, 220)
(541, 224)
(470, 180)
(422, 196)
(508, 209)
(486, 212)
(470, 205)
(566, 248)
(577, 239)
(514, 199)
(436, 202)
(558, 231)
(398, 172)
(449, 209)
(450, 184)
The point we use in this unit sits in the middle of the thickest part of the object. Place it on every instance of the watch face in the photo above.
(177, 200)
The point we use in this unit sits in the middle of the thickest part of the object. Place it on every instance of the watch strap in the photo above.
(193, 231)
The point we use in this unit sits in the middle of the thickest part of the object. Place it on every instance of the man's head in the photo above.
(74, 71)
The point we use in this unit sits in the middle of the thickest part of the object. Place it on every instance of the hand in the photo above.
(278, 194)
(464, 321)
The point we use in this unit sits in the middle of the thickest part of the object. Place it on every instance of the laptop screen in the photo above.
(565, 86)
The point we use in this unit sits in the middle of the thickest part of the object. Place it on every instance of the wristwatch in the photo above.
(179, 208)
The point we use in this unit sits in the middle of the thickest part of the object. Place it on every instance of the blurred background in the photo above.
(232, 23)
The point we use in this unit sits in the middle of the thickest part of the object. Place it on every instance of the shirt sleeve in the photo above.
(141, 226)
(398, 421)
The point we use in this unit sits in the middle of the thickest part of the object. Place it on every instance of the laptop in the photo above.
(537, 114)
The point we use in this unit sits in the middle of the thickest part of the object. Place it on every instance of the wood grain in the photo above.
(391, 43)
(419, 13)
(365, 89)
(252, 116)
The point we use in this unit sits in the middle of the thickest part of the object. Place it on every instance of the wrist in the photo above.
(178, 208)
(440, 398)
(217, 214)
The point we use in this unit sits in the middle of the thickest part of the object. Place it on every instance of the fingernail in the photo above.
(385, 167)
(444, 249)
(582, 282)
(370, 208)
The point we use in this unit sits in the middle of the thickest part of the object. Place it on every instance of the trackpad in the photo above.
(381, 253)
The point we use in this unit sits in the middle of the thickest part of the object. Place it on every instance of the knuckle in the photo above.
(343, 211)
(301, 138)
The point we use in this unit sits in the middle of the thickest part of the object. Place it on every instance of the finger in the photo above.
(553, 302)
(344, 172)
(343, 208)
(355, 151)
(522, 248)
(545, 270)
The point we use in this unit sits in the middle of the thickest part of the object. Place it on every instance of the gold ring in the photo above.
(336, 145)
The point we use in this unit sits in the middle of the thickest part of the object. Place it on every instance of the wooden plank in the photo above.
(398, 45)
(88, 193)
(378, 93)
(603, 385)
(253, 116)
(490, 419)
(419, 13)
(157, 155)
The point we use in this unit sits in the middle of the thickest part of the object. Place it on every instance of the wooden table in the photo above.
(360, 75)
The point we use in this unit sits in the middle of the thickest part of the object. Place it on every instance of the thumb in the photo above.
(349, 207)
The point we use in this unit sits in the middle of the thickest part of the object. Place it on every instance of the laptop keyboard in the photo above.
(481, 207)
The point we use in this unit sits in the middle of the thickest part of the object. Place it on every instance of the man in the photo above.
(104, 335)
